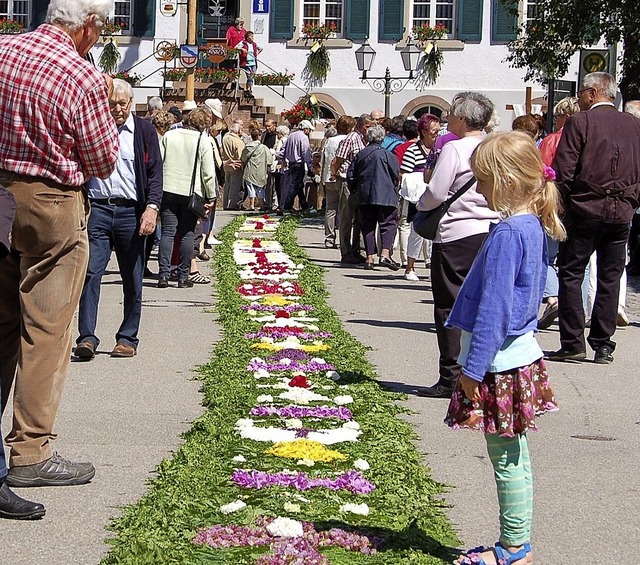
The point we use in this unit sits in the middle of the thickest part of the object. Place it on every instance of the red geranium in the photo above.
(299, 381)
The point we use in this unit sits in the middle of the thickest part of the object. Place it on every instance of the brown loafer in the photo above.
(85, 350)
(123, 350)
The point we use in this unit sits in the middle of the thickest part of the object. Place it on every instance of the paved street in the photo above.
(126, 415)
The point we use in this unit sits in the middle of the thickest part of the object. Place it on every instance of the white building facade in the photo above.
(474, 47)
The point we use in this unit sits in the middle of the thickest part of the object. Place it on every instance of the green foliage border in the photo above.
(188, 490)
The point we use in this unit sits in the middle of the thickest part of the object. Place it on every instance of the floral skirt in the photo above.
(509, 402)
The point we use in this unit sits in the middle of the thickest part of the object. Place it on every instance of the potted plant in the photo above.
(132, 78)
(427, 37)
(318, 61)
(175, 74)
(275, 79)
(8, 27)
(307, 108)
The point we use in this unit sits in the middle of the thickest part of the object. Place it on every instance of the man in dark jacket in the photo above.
(598, 173)
(124, 210)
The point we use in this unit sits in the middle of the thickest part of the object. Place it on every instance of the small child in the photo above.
(503, 384)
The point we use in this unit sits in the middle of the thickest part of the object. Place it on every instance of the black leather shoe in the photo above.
(438, 390)
(369, 267)
(389, 263)
(15, 508)
(185, 284)
(564, 355)
(85, 350)
(54, 472)
(163, 282)
(349, 260)
(603, 355)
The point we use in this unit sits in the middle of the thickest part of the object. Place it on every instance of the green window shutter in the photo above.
(470, 20)
(391, 20)
(358, 19)
(281, 19)
(38, 13)
(504, 23)
(144, 18)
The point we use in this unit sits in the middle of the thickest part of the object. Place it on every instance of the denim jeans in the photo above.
(176, 219)
(113, 227)
(296, 187)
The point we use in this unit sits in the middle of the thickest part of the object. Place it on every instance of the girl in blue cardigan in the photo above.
(504, 384)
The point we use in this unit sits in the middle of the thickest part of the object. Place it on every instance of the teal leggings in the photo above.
(514, 481)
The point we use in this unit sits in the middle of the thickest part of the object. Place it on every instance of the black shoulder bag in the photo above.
(196, 202)
(425, 224)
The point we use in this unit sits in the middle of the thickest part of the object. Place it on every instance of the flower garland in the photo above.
(351, 481)
(339, 412)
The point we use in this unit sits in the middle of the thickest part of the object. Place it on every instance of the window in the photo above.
(530, 11)
(434, 12)
(17, 10)
(324, 12)
(121, 15)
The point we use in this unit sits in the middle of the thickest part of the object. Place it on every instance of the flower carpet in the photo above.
(301, 458)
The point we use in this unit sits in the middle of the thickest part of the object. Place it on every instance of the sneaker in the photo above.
(564, 355)
(411, 276)
(54, 472)
(603, 355)
(623, 320)
(213, 240)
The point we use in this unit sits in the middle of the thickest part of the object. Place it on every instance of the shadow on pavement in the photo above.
(400, 324)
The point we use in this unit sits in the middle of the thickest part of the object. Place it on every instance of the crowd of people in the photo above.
(524, 216)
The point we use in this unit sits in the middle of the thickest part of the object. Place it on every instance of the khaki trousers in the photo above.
(40, 285)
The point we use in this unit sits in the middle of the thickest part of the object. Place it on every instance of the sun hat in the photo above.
(215, 105)
(306, 124)
(189, 105)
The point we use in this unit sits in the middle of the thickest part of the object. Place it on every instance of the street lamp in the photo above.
(365, 55)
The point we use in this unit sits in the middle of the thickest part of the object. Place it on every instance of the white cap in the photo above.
(188, 105)
(306, 124)
(215, 105)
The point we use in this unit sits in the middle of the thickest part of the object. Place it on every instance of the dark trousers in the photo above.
(584, 236)
(176, 220)
(296, 187)
(113, 227)
(383, 216)
(450, 264)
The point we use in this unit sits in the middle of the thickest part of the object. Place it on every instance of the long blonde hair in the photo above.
(511, 164)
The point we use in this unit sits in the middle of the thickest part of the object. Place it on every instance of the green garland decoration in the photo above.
(110, 56)
(318, 64)
(188, 490)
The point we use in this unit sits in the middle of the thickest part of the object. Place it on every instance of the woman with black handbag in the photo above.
(189, 191)
(462, 229)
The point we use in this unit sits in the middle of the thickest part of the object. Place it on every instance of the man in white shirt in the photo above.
(124, 210)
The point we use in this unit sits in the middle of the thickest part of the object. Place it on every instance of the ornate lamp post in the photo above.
(388, 85)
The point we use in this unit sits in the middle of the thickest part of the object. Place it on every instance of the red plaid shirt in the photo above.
(54, 112)
(348, 149)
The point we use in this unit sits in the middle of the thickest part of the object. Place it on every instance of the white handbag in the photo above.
(413, 186)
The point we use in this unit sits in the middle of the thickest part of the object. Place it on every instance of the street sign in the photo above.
(189, 55)
(260, 6)
(168, 7)
(597, 60)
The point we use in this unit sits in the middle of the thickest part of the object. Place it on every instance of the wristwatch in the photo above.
(153, 207)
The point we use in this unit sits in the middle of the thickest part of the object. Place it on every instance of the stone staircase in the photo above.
(242, 107)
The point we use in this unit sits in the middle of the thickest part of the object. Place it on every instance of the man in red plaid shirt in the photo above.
(56, 131)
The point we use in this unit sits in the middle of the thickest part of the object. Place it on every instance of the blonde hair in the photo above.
(567, 106)
(511, 163)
